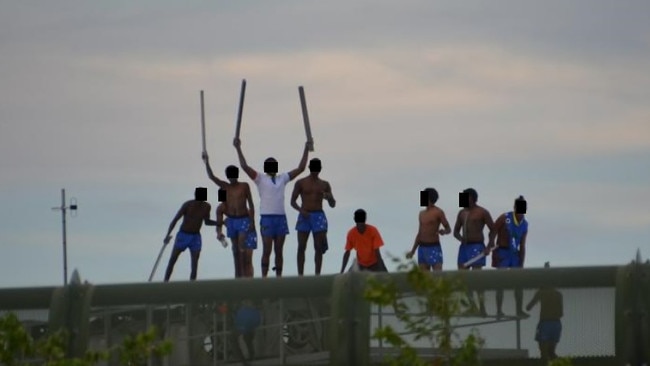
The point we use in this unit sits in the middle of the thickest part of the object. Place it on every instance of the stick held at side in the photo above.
(155, 266)
(305, 117)
(240, 111)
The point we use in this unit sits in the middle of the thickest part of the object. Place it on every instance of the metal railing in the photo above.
(325, 320)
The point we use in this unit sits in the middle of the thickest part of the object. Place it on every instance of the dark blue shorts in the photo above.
(548, 331)
(429, 254)
(238, 225)
(505, 258)
(273, 225)
(186, 240)
(469, 251)
(315, 223)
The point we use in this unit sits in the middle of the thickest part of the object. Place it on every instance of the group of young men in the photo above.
(237, 212)
(506, 238)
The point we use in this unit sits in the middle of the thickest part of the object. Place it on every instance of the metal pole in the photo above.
(65, 246)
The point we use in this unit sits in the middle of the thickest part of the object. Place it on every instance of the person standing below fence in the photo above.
(366, 241)
(427, 240)
(549, 327)
(511, 229)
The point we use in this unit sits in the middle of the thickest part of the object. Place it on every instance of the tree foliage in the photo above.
(18, 348)
(437, 302)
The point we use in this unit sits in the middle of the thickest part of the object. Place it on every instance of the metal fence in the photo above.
(326, 321)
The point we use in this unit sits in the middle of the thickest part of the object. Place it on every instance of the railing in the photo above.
(325, 320)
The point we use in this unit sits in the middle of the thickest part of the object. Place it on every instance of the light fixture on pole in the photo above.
(63, 208)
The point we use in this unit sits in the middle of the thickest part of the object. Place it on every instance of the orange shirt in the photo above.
(364, 244)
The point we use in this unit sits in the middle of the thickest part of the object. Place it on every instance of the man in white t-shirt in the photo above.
(273, 218)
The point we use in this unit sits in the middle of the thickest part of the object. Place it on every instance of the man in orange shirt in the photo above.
(366, 240)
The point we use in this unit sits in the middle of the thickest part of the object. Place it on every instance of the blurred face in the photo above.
(271, 166)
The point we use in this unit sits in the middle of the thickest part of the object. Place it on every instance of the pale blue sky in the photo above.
(546, 99)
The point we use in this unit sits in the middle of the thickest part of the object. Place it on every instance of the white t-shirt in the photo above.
(271, 194)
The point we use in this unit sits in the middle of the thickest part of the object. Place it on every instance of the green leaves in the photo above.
(425, 313)
(17, 348)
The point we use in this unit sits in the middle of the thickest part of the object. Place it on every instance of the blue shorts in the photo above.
(469, 251)
(429, 254)
(316, 222)
(548, 331)
(186, 240)
(273, 225)
(505, 258)
(239, 225)
(247, 319)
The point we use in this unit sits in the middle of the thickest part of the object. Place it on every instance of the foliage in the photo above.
(18, 348)
(438, 300)
(563, 361)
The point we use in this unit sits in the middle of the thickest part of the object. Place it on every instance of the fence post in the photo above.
(350, 322)
(70, 311)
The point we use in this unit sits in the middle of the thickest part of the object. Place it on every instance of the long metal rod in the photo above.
(65, 245)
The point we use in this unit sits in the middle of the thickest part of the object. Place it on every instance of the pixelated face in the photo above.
(463, 199)
(424, 198)
(315, 166)
(232, 172)
(360, 216)
(221, 195)
(201, 194)
(520, 207)
(270, 166)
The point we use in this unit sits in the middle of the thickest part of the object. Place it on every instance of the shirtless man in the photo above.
(194, 214)
(427, 240)
(241, 219)
(511, 229)
(311, 218)
(472, 220)
(273, 220)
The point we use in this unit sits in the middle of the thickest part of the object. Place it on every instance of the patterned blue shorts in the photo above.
(429, 254)
(469, 251)
(274, 225)
(316, 222)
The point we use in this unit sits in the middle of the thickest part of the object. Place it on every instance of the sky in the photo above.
(548, 99)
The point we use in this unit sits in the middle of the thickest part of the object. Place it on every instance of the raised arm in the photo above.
(252, 174)
(303, 163)
(178, 216)
(222, 184)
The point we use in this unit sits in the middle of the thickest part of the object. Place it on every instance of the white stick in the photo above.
(305, 117)
(476, 259)
(241, 108)
(155, 266)
(202, 122)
